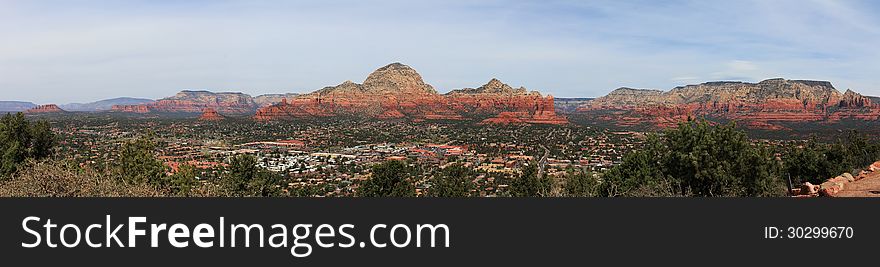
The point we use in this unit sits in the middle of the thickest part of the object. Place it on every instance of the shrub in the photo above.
(697, 159)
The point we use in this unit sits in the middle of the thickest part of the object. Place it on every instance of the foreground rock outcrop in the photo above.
(865, 184)
(397, 91)
(756, 105)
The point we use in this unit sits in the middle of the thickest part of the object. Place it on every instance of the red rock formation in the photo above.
(50, 108)
(854, 100)
(397, 91)
(195, 102)
(272, 99)
(209, 114)
(131, 108)
(762, 105)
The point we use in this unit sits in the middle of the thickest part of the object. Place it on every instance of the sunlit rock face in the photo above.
(209, 114)
(397, 91)
(196, 102)
(50, 108)
(756, 105)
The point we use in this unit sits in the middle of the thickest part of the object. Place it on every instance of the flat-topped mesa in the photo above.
(188, 101)
(813, 92)
(42, 109)
(625, 97)
(758, 104)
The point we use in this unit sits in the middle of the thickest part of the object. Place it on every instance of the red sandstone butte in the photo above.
(209, 114)
(50, 108)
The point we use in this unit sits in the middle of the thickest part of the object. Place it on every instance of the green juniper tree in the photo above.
(184, 180)
(581, 184)
(698, 159)
(453, 181)
(389, 179)
(529, 185)
(21, 140)
(245, 178)
(138, 163)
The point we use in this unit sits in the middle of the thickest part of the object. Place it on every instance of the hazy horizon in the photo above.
(86, 50)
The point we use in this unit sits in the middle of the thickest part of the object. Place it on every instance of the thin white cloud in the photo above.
(68, 51)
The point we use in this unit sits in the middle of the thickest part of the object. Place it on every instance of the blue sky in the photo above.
(80, 50)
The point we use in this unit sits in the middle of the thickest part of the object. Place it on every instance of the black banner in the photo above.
(487, 232)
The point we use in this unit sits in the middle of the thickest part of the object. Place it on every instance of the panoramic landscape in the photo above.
(396, 135)
(445, 99)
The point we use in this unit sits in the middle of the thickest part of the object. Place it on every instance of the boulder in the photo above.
(875, 167)
(809, 189)
(848, 176)
(831, 187)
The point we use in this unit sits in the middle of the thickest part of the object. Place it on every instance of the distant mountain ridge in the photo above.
(16, 106)
(197, 101)
(104, 105)
(397, 91)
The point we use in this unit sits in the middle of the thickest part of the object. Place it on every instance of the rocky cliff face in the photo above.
(852, 99)
(196, 102)
(397, 91)
(493, 87)
(757, 105)
(271, 99)
(42, 109)
(104, 105)
(504, 104)
(569, 105)
(627, 97)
